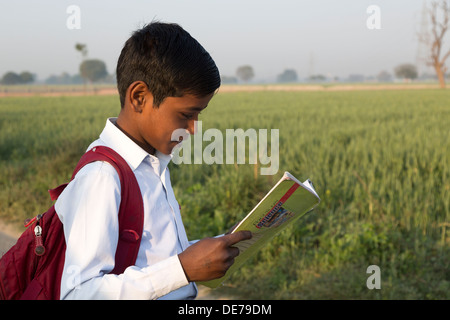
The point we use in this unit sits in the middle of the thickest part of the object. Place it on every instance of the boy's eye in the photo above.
(189, 116)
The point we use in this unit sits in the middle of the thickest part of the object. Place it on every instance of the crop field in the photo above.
(380, 160)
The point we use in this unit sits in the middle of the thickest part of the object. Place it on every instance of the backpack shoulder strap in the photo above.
(131, 210)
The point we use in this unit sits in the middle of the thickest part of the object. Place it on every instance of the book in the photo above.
(285, 203)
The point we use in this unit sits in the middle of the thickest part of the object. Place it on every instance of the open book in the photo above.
(287, 201)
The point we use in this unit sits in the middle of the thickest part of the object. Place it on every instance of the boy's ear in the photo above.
(137, 94)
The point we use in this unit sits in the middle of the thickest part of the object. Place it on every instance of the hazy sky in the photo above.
(329, 37)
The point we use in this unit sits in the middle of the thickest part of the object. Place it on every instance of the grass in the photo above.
(379, 160)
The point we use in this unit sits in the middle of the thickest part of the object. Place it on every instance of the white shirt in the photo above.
(88, 209)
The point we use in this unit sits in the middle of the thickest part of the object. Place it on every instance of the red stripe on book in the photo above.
(289, 192)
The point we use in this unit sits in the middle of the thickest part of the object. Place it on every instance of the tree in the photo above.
(406, 71)
(227, 79)
(439, 15)
(82, 48)
(384, 76)
(11, 78)
(288, 75)
(245, 73)
(317, 77)
(26, 77)
(440, 24)
(93, 70)
(356, 77)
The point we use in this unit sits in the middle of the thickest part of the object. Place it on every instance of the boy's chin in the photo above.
(170, 147)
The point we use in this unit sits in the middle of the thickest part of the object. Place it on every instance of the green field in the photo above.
(380, 160)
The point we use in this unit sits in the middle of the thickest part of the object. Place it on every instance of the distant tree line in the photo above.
(403, 72)
(246, 74)
(11, 78)
(64, 78)
(94, 71)
(91, 71)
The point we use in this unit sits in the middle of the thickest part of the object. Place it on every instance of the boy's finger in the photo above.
(236, 237)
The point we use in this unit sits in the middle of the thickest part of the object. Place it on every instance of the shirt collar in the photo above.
(129, 150)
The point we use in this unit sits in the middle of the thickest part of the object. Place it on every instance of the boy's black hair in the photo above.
(169, 61)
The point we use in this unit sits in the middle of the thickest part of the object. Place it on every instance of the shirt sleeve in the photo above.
(88, 209)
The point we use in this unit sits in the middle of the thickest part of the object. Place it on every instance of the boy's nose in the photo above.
(192, 126)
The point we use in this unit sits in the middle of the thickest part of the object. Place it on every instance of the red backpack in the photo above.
(32, 268)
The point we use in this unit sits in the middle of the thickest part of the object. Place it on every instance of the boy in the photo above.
(165, 78)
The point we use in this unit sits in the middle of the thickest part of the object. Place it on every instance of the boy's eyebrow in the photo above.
(194, 108)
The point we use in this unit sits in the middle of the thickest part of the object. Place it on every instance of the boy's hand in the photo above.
(210, 258)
